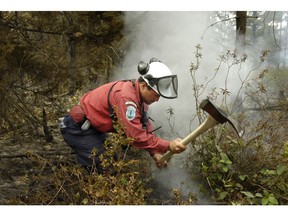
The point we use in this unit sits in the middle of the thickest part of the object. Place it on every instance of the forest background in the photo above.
(48, 59)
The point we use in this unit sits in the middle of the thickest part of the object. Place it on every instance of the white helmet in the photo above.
(159, 77)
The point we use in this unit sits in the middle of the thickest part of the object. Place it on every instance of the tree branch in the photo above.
(29, 154)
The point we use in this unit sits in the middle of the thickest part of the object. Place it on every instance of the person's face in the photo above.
(149, 96)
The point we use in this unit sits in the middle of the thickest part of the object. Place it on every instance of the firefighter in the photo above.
(87, 125)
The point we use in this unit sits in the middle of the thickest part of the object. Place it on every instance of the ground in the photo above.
(17, 165)
(20, 159)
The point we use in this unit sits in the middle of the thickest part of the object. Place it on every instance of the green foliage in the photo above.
(250, 170)
(237, 175)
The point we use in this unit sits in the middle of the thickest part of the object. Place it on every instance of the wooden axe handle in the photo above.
(208, 123)
(216, 115)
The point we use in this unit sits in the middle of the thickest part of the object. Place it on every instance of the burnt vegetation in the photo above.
(48, 59)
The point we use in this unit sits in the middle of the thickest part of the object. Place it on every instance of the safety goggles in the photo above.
(166, 86)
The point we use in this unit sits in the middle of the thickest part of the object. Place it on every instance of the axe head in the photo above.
(219, 115)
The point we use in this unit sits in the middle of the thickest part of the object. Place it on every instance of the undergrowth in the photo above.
(68, 183)
(253, 169)
(126, 182)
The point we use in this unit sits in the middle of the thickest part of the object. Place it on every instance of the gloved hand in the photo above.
(156, 158)
(176, 146)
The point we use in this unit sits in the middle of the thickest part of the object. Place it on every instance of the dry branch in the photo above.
(42, 154)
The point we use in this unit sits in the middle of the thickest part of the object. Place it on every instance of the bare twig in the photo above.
(26, 155)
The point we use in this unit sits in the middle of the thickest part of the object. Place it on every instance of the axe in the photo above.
(215, 116)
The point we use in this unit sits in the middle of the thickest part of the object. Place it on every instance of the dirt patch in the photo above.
(25, 160)
(18, 162)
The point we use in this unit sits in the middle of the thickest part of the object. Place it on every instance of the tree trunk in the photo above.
(72, 69)
(241, 20)
(286, 42)
(254, 28)
(47, 132)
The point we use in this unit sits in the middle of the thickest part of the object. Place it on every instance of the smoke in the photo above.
(172, 37)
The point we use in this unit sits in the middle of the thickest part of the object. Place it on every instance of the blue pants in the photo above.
(83, 142)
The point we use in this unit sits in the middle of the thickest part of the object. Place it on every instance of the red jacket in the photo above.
(126, 98)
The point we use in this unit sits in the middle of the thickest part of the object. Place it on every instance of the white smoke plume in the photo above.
(172, 38)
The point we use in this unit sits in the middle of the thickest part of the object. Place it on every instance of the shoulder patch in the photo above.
(130, 103)
(130, 112)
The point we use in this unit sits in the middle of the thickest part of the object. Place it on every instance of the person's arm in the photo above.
(175, 146)
(129, 115)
